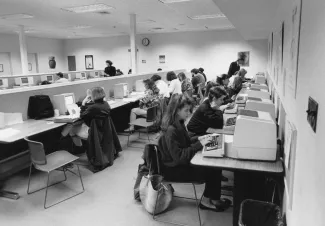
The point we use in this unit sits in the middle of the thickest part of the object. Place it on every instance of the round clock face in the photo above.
(145, 41)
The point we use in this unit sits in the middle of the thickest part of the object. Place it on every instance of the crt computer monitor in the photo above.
(62, 101)
(49, 78)
(24, 81)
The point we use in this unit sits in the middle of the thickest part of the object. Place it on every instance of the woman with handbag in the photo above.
(177, 150)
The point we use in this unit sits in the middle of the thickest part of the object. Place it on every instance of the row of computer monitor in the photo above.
(29, 81)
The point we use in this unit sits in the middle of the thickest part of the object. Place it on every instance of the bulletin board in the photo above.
(290, 143)
(292, 73)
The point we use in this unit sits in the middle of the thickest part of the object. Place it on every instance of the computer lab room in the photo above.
(162, 112)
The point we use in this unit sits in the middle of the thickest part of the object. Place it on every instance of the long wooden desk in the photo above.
(236, 164)
(29, 128)
(249, 177)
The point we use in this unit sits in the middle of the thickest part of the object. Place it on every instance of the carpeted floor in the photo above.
(107, 200)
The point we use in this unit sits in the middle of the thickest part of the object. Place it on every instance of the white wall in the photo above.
(44, 47)
(102, 49)
(309, 184)
(212, 50)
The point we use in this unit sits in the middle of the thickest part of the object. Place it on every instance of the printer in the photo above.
(260, 78)
(254, 137)
(253, 92)
(258, 104)
(259, 86)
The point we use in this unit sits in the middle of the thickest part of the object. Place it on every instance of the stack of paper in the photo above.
(8, 132)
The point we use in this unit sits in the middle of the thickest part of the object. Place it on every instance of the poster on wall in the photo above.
(89, 63)
(290, 159)
(1, 67)
(294, 48)
(245, 57)
(162, 59)
(284, 73)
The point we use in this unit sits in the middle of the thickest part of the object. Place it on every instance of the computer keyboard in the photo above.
(231, 121)
(215, 144)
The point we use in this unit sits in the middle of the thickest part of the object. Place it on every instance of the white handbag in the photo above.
(154, 193)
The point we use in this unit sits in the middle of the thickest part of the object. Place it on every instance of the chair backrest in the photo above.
(152, 114)
(153, 159)
(37, 153)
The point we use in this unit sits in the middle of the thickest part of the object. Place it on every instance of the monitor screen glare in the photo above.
(69, 100)
(24, 80)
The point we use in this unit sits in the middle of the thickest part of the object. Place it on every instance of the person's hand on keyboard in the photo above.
(224, 107)
(204, 140)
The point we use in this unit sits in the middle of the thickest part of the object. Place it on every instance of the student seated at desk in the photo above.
(93, 106)
(152, 97)
(60, 78)
(223, 81)
(187, 86)
(209, 114)
(177, 150)
(161, 85)
(175, 86)
(238, 75)
(197, 78)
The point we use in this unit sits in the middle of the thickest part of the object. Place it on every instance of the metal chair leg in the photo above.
(47, 186)
(129, 136)
(30, 172)
(82, 184)
(148, 135)
(83, 189)
(197, 204)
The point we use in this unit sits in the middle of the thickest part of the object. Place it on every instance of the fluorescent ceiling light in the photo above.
(146, 22)
(80, 27)
(88, 8)
(204, 17)
(173, 1)
(16, 16)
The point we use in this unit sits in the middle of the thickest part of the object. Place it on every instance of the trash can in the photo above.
(257, 213)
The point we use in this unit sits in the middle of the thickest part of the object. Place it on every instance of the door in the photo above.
(72, 63)
(5, 64)
(32, 63)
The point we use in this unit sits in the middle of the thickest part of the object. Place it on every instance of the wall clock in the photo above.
(145, 41)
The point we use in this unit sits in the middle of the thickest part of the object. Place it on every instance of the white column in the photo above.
(133, 30)
(23, 50)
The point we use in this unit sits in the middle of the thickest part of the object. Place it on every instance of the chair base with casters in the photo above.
(59, 160)
(154, 216)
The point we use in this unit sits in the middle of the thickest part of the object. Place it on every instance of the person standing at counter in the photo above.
(234, 67)
(110, 70)
(60, 78)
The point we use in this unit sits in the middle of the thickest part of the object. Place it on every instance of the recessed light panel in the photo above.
(146, 22)
(80, 27)
(16, 16)
(173, 1)
(204, 17)
(88, 8)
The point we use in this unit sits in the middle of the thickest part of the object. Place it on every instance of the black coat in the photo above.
(233, 68)
(176, 147)
(203, 118)
(111, 71)
(103, 142)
